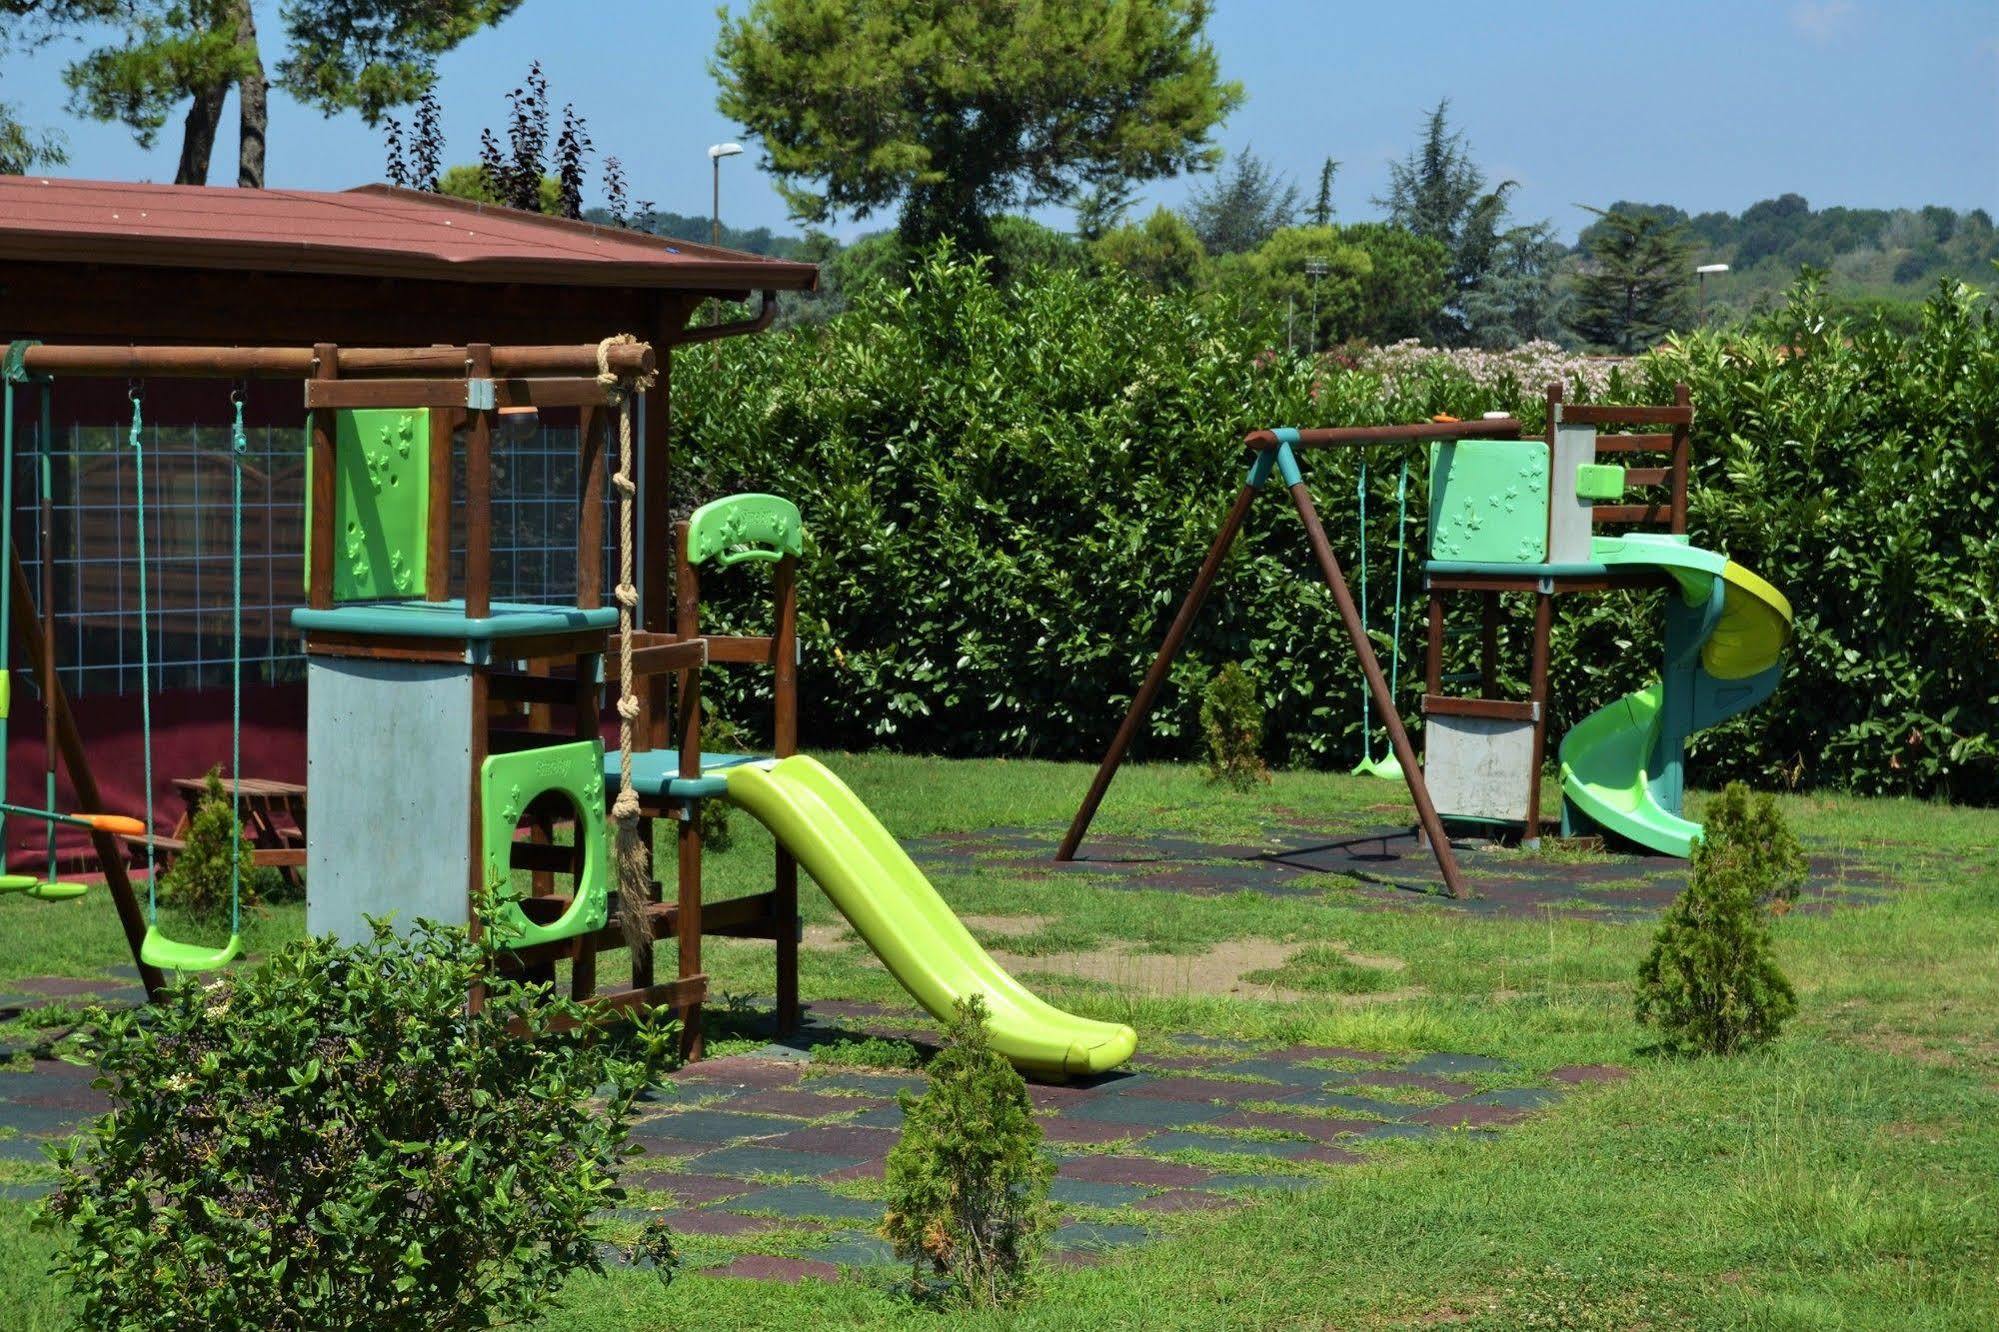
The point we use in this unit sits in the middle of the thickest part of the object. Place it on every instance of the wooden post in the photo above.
(1682, 458)
(28, 641)
(784, 736)
(479, 495)
(591, 427)
(1377, 685)
(1488, 645)
(687, 602)
(1433, 662)
(1155, 675)
(319, 537)
(656, 555)
(1544, 616)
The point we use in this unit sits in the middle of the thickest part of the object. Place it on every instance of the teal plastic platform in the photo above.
(447, 619)
(656, 772)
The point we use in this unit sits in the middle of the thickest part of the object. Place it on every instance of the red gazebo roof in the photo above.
(375, 230)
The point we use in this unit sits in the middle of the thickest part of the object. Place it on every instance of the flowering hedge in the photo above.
(1009, 488)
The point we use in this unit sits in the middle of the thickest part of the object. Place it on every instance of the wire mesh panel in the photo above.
(94, 545)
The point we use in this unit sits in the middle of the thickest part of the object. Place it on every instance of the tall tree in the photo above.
(23, 147)
(1635, 281)
(1322, 207)
(1247, 204)
(338, 55)
(953, 111)
(1102, 208)
(1439, 193)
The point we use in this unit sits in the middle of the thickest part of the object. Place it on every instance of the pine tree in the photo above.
(1247, 205)
(1635, 283)
(1322, 207)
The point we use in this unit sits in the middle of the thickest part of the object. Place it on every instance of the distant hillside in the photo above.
(1873, 255)
(687, 226)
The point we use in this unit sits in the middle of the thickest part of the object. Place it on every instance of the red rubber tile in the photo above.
(763, 1267)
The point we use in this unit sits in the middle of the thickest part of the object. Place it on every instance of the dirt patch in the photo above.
(1011, 927)
(828, 937)
(1218, 970)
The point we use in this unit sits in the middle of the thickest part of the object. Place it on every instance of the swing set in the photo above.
(157, 952)
(1277, 451)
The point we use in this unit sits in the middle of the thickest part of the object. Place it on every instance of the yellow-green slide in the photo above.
(894, 909)
(1725, 641)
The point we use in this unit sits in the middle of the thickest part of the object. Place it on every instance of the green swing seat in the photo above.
(164, 953)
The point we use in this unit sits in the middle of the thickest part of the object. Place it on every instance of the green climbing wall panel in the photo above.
(381, 504)
(1489, 501)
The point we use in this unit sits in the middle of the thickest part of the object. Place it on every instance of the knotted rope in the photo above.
(634, 862)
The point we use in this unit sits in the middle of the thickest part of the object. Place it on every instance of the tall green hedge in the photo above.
(1009, 487)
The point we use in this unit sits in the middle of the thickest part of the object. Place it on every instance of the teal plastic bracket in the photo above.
(15, 369)
(1281, 458)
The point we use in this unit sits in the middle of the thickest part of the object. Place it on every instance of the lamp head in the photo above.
(721, 150)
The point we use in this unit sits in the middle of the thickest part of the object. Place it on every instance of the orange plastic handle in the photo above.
(117, 824)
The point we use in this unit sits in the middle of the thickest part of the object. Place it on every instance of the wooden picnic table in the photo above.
(273, 814)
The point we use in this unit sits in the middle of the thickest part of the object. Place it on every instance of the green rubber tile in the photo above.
(1359, 1105)
(750, 1159)
(1220, 1146)
(23, 1193)
(857, 1248)
(799, 1201)
(713, 1126)
(1246, 1180)
(1399, 1131)
(1143, 1110)
(1095, 1193)
(878, 1084)
(1458, 1063)
(1090, 1235)
(22, 1149)
(1282, 1071)
(1516, 1098)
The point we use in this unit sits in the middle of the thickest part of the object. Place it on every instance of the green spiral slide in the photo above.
(1725, 638)
(896, 911)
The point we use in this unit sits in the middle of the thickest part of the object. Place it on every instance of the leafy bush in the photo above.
(1007, 489)
(1710, 984)
(198, 880)
(335, 1140)
(1232, 721)
(968, 1183)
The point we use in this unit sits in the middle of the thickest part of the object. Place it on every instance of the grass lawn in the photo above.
(1847, 1177)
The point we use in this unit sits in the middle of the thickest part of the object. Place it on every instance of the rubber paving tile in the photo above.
(802, 1201)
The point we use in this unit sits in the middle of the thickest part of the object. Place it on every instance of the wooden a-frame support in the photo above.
(1275, 452)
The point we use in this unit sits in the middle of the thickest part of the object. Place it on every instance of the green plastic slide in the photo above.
(893, 907)
(1725, 641)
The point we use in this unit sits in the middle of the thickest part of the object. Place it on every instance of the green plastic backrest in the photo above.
(763, 528)
(381, 504)
(508, 784)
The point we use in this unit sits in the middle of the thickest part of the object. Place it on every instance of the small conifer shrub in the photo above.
(1751, 823)
(1710, 984)
(1232, 721)
(968, 1183)
(198, 880)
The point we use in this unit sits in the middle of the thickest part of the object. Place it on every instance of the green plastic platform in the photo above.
(447, 619)
(508, 784)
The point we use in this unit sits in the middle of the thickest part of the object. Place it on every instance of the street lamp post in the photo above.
(715, 155)
(1703, 271)
(1315, 268)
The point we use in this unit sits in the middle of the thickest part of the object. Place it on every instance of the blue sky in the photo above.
(1705, 104)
